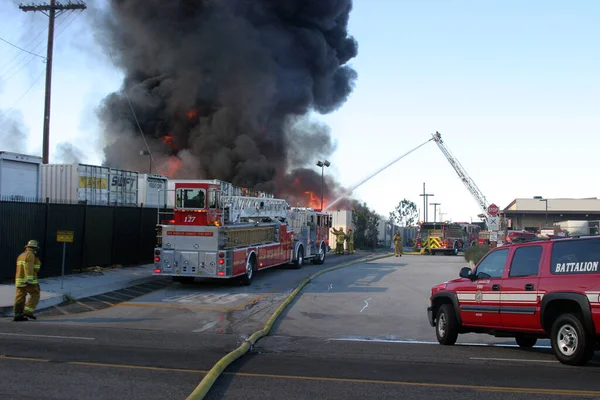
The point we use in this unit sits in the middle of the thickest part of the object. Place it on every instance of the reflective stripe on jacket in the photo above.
(25, 268)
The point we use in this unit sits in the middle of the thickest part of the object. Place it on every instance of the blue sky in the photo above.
(512, 86)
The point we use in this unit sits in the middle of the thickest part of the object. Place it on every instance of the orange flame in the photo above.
(192, 114)
(173, 165)
(315, 201)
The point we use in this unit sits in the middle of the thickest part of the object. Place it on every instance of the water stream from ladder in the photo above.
(377, 172)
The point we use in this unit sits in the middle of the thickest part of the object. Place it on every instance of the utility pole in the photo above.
(51, 10)
(435, 210)
(425, 196)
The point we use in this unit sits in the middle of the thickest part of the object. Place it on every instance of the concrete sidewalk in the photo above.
(77, 286)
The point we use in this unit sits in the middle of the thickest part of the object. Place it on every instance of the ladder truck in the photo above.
(222, 231)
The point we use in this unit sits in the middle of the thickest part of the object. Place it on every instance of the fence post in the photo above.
(82, 261)
(114, 236)
(46, 217)
(140, 241)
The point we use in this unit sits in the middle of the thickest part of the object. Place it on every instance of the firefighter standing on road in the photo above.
(28, 265)
(398, 244)
(350, 241)
(339, 240)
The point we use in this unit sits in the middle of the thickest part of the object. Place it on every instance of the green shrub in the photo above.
(476, 253)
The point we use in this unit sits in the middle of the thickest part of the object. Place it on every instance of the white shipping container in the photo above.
(152, 190)
(75, 183)
(123, 187)
(19, 177)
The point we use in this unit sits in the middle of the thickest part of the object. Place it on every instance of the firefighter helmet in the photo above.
(33, 244)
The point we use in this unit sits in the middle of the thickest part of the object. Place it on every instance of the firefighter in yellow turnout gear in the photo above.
(28, 265)
(350, 241)
(339, 240)
(398, 244)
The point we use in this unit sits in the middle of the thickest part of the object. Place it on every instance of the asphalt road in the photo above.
(358, 332)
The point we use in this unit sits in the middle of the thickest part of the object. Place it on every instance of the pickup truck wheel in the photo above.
(526, 342)
(571, 343)
(446, 327)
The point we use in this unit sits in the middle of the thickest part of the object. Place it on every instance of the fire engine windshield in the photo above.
(191, 198)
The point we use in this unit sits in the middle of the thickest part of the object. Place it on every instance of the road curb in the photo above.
(80, 293)
(212, 375)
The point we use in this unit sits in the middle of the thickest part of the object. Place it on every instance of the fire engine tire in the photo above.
(526, 342)
(320, 258)
(250, 270)
(299, 258)
(571, 343)
(446, 327)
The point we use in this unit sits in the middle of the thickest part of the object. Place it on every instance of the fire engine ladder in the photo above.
(462, 174)
(238, 207)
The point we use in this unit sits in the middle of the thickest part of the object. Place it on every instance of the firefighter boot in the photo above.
(20, 317)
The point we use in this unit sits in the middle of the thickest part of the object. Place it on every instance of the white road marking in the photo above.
(411, 341)
(207, 326)
(512, 359)
(366, 304)
(47, 336)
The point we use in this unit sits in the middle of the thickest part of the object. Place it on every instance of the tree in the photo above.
(406, 213)
(366, 224)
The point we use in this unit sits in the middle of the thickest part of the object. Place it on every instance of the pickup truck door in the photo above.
(479, 300)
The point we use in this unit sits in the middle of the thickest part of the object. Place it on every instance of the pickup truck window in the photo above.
(576, 257)
(492, 265)
(526, 261)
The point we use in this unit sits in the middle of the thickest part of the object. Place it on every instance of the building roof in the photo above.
(588, 205)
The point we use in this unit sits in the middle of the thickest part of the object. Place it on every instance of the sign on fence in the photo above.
(65, 236)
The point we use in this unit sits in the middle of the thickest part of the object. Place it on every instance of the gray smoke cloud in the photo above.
(222, 88)
(13, 132)
(69, 154)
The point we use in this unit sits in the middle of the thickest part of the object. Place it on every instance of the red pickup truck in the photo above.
(539, 289)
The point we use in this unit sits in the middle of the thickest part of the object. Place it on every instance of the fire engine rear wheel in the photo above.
(299, 258)
(455, 250)
(250, 269)
(320, 258)
(446, 327)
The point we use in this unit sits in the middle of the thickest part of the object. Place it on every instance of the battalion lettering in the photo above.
(589, 266)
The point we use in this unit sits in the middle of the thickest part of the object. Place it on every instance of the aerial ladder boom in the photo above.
(462, 174)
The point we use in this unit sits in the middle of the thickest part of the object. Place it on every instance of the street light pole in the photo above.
(147, 153)
(322, 164)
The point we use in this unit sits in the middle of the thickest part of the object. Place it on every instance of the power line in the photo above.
(136, 118)
(5, 113)
(14, 45)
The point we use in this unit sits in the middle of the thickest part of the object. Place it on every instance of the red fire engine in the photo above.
(446, 237)
(222, 231)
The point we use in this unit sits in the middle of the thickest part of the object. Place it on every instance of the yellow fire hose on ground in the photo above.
(212, 375)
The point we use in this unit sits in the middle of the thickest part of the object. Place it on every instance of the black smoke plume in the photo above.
(223, 89)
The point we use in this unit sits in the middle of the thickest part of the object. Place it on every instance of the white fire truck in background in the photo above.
(219, 230)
